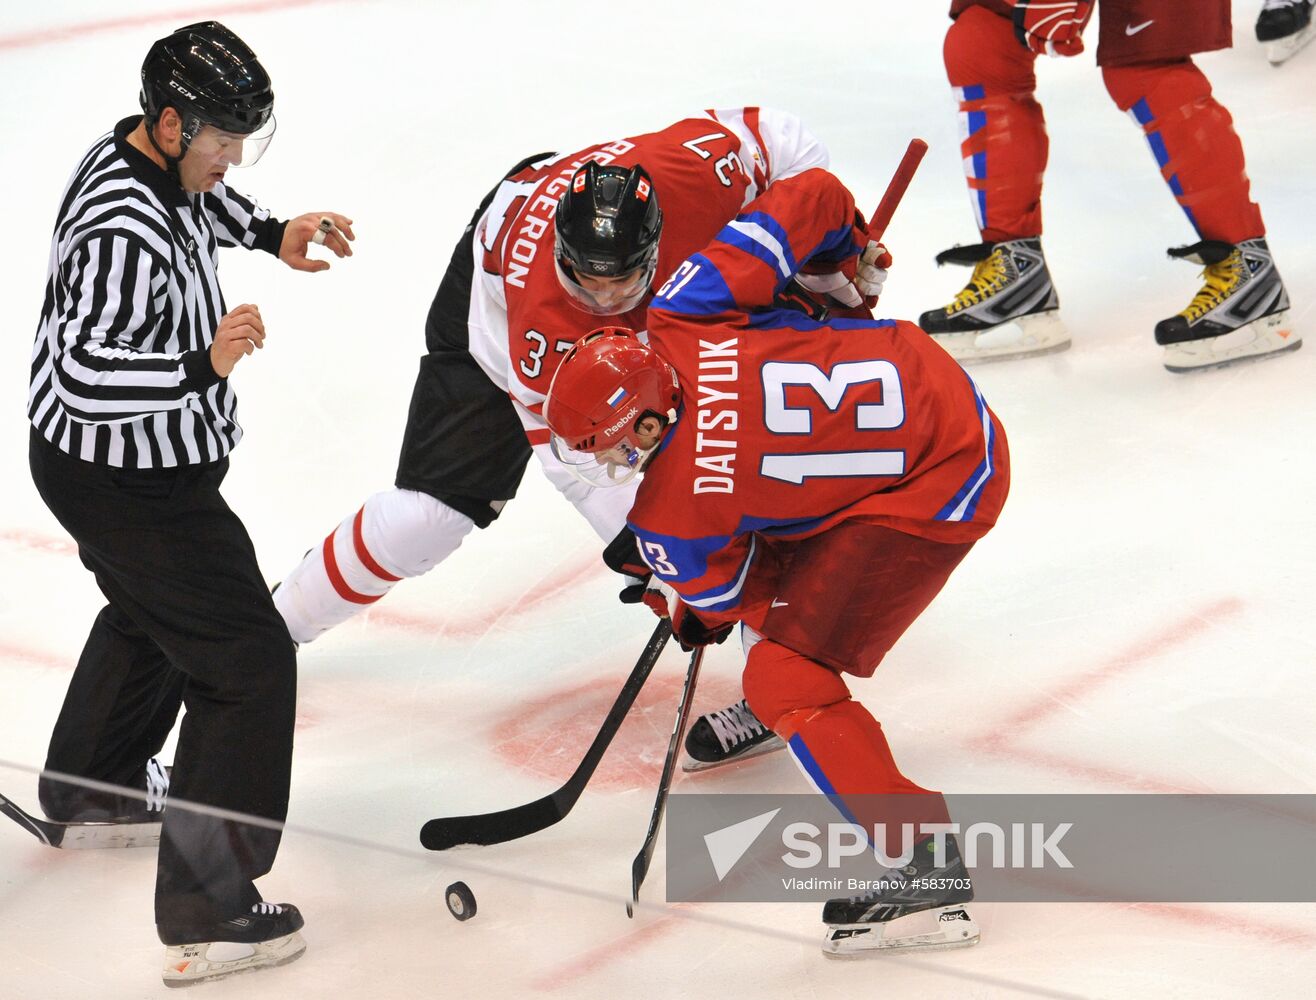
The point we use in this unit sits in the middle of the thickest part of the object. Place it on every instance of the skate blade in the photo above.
(99, 836)
(1282, 50)
(689, 765)
(1027, 336)
(1263, 338)
(931, 930)
(189, 964)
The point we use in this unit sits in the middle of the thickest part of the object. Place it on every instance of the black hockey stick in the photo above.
(74, 836)
(640, 867)
(521, 821)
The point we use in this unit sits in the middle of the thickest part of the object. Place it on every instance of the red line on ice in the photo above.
(1122, 663)
(1126, 781)
(547, 589)
(66, 32)
(10, 651)
(587, 962)
(997, 743)
(1002, 739)
(1198, 915)
(38, 541)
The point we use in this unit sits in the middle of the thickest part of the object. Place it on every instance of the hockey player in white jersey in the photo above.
(563, 244)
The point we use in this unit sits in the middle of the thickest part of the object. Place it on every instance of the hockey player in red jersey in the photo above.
(815, 481)
(562, 243)
(1009, 307)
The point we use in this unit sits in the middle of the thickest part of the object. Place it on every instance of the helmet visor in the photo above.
(233, 149)
(606, 296)
(614, 466)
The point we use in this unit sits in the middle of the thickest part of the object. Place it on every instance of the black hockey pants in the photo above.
(189, 622)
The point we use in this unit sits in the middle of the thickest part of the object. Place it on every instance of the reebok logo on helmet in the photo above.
(622, 421)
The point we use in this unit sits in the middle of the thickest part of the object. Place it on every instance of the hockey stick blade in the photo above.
(895, 190)
(640, 866)
(521, 821)
(82, 836)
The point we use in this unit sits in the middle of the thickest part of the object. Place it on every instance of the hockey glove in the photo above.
(690, 630)
(834, 287)
(1051, 27)
(797, 298)
(623, 556)
(871, 271)
(854, 283)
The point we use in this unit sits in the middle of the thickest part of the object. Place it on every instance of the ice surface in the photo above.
(1139, 621)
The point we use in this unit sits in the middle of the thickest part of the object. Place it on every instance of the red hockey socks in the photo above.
(1002, 131)
(1193, 139)
(836, 742)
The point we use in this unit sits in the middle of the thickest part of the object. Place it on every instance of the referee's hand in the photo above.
(329, 229)
(240, 332)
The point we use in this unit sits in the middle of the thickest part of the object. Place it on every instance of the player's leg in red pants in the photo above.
(1193, 139)
(1003, 133)
(836, 741)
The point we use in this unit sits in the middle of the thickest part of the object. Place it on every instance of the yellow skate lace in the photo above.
(989, 277)
(1222, 280)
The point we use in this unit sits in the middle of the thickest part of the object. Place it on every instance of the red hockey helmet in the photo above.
(604, 385)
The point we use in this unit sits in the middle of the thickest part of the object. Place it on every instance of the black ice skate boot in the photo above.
(728, 735)
(1009, 308)
(1284, 27)
(921, 906)
(1241, 313)
(267, 936)
(65, 802)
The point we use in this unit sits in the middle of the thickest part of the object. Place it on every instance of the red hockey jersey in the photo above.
(704, 169)
(788, 425)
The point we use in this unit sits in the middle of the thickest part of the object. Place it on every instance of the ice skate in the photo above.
(87, 818)
(1241, 313)
(726, 736)
(266, 937)
(65, 802)
(1285, 27)
(1008, 309)
(920, 907)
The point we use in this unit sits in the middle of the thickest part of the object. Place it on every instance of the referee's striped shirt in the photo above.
(121, 371)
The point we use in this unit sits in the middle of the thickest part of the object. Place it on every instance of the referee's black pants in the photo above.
(189, 622)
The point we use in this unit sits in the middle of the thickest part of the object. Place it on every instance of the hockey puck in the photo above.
(460, 900)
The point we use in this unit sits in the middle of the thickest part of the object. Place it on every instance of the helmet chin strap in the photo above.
(171, 162)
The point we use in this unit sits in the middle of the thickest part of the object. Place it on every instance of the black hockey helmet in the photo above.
(608, 222)
(211, 77)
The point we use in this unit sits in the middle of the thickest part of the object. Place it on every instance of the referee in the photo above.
(133, 419)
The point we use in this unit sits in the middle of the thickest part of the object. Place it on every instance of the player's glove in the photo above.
(834, 287)
(871, 271)
(623, 556)
(1051, 27)
(797, 298)
(690, 630)
(854, 283)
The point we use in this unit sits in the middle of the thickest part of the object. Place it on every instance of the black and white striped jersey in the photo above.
(121, 371)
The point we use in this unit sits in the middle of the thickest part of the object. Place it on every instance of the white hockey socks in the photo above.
(395, 535)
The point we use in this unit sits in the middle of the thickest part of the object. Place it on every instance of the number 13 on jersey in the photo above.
(832, 388)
